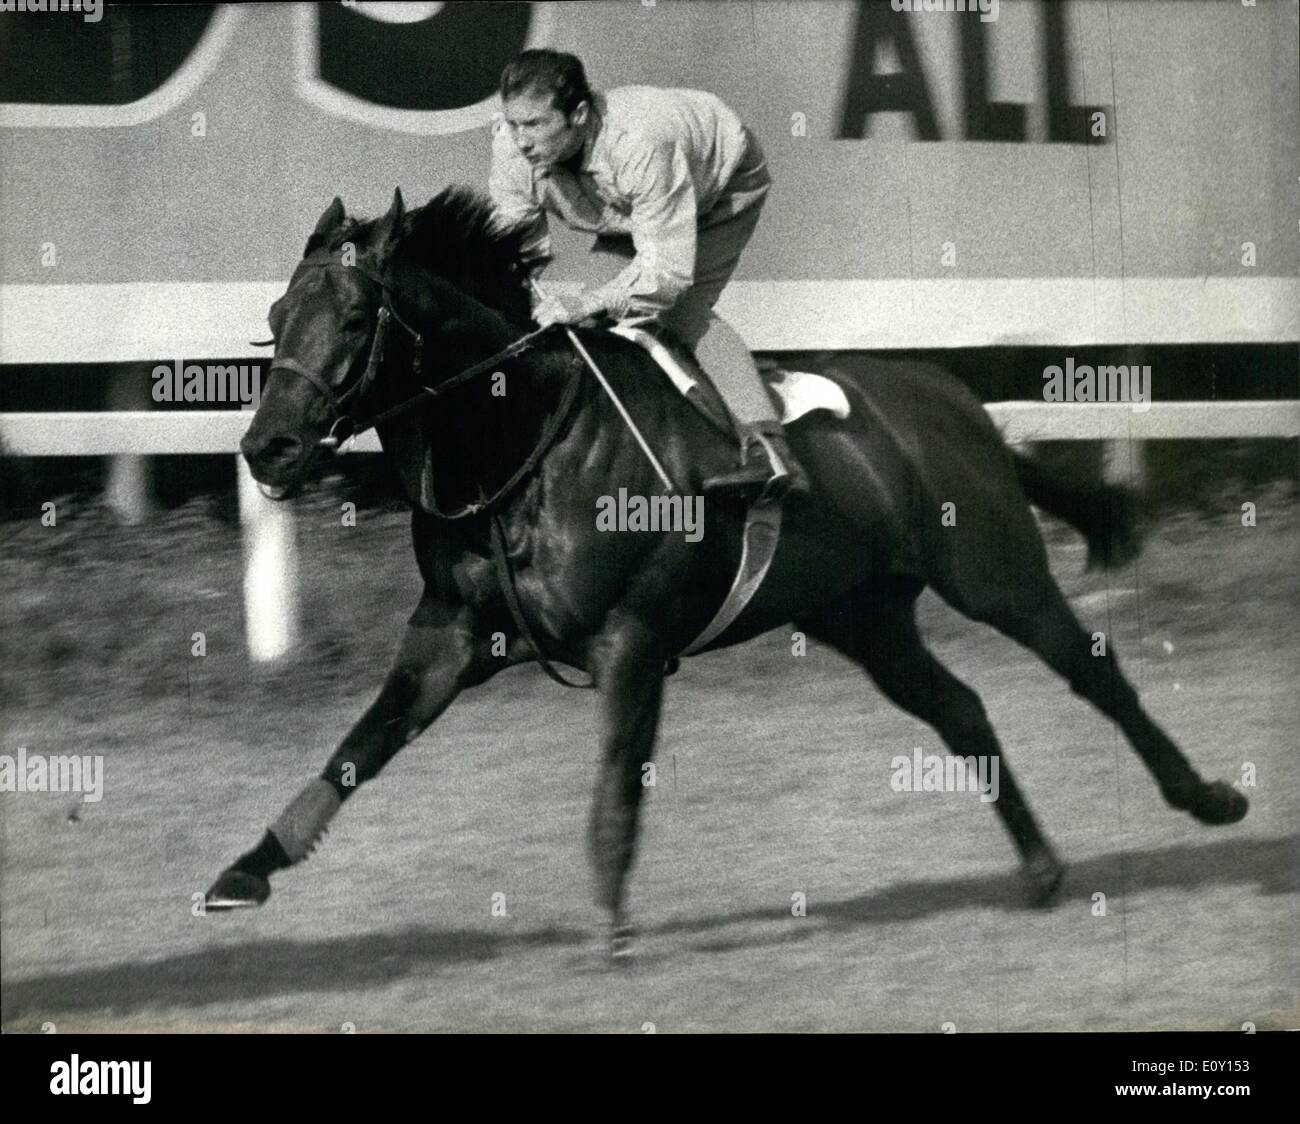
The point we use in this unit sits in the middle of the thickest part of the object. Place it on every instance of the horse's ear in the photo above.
(331, 219)
(390, 227)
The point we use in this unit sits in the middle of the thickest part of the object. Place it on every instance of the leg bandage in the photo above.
(303, 822)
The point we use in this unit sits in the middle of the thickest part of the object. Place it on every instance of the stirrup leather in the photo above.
(779, 482)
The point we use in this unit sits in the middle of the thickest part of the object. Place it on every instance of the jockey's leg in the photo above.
(730, 365)
(766, 458)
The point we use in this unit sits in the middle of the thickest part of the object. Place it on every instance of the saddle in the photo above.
(797, 392)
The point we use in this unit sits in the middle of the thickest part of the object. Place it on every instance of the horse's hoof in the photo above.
(1043, 874)
(236, 889)
(1216, 802)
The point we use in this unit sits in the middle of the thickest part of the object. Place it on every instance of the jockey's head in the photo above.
(547, 105)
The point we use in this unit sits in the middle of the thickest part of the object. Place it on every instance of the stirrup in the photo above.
(771, 480)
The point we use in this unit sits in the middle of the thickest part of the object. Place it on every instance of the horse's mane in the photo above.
(458, 237)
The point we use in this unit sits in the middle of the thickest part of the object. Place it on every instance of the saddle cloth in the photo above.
(799, 392)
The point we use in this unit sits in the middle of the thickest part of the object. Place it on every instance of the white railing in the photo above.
(149, 433)
(270, 569)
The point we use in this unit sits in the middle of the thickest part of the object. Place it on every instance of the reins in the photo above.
(429, 393)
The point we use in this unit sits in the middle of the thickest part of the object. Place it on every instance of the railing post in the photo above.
(128, 490)
(270, 571)
(1125, 461)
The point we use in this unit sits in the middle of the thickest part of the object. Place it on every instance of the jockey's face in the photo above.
(542, 132)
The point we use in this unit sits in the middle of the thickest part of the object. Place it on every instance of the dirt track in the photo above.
(773, 779)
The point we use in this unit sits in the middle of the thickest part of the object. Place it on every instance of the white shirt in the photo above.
(658, 164)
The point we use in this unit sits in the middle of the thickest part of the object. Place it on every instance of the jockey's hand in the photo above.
(563, 308)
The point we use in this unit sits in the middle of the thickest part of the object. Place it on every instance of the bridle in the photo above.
(344, 426)
(387, 315)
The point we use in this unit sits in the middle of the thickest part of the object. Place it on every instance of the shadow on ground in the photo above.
(257, 969)
(1273, 865)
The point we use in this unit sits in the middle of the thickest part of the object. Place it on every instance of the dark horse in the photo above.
(853, 559)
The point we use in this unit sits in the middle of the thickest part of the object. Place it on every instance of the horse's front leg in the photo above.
(628, 664)
(440, 655)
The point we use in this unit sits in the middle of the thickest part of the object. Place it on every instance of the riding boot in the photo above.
(767, 465)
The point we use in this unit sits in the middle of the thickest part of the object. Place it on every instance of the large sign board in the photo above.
(1025, 171)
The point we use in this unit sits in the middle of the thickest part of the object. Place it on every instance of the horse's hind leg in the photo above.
(876, 627)
(1045, 624)
(439, 655)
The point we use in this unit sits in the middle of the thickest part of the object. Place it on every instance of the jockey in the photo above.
(677, 171)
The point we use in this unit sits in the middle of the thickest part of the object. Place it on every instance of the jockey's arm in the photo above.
(664, 222)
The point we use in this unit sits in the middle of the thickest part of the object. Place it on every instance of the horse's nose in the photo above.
(274, 452)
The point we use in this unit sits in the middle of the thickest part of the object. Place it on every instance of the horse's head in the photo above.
(342, 304)
(326, 327)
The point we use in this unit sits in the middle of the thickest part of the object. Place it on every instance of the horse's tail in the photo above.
(1105, 514)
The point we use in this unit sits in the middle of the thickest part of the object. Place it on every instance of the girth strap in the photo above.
(759, 540)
